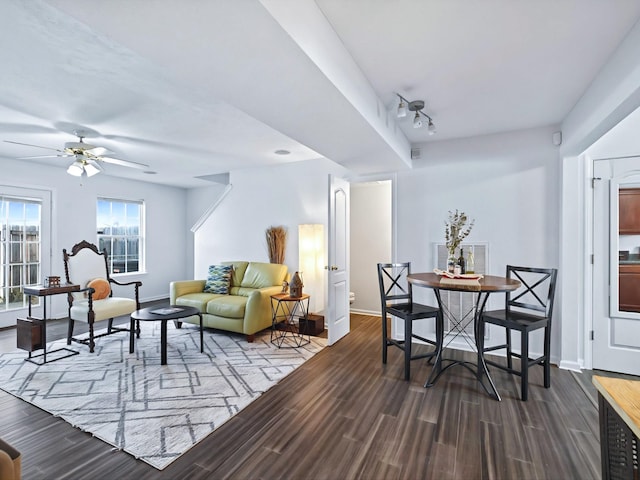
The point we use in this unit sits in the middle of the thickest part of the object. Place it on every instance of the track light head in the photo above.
(402, 109)
(417, 121)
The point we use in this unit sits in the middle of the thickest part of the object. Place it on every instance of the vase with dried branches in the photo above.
(456, 230)
(276, 243)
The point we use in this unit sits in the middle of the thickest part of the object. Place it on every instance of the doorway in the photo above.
(616, 265)
(371, 241)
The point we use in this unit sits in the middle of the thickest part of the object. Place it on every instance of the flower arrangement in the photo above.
(456, 230)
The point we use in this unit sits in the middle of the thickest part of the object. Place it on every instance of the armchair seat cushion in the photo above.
(106, 308)
(230, 306)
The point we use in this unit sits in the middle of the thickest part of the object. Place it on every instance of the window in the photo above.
(20, 248)
(119, 227)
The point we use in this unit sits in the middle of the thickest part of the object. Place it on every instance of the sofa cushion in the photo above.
(197, 300)
(219, 279)
(262, 275)
(230, 306)
(238, 272)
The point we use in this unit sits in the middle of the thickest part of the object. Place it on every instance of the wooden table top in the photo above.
(285, 297)
(624, 396)
(42, 291)
(172, 312)
(488, 283)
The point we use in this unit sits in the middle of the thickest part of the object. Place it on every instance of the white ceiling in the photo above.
(201, 87)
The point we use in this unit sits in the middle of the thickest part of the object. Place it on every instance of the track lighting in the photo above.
(415, 106)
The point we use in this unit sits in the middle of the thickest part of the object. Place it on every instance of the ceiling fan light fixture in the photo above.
(76, 169)
(91, 169)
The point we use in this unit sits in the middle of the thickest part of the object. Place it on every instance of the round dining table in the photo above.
(482, 286)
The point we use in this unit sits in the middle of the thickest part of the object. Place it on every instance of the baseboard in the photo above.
(365, 312)
(154, 299)
(573, 366)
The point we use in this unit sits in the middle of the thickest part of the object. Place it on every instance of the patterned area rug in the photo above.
(155, 413)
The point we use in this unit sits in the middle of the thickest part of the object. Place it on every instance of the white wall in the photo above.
(199, 201)
(287, 195)
(508, 183)
(74, 219)
(370, 242)
(612, 96)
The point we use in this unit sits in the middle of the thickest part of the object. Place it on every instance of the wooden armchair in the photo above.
(88, 267)
(10, 462)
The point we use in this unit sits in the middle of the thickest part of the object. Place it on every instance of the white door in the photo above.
(616, 329)
(338, 322)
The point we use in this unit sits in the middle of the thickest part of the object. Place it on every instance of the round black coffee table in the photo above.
(163, 315)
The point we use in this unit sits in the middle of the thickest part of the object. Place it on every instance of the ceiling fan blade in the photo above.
(26, 128)
(98, 151)
(124, 163)
(45, 156)
(31, 145)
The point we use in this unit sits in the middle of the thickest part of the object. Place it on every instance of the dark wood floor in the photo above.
(344, 415)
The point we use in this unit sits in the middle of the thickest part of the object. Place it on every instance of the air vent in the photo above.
(415, 154)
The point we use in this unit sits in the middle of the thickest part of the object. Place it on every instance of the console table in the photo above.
(32, 332)
(284, 331)
(619, 411)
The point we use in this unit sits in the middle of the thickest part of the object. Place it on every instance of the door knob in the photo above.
(334, 267)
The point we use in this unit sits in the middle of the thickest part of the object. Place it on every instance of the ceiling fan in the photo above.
(88, 158)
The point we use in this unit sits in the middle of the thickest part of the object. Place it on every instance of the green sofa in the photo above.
(247, 307)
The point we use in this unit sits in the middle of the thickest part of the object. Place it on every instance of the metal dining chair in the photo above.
(527, 309)
(397, 301)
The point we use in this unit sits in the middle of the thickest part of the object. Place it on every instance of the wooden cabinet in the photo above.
(629, 288)
(629, 211)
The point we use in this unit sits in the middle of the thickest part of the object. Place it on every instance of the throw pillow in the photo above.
(101, 287)
(219, 279)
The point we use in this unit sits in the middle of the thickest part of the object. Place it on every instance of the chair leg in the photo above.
(407, 348)
(92, 344)
(70, 332)
(384, 338)
(109, 325)
(547, 358)
(524, 366)
(507, 332)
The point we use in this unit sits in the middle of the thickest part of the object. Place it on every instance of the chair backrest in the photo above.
(83, 264)
(394, 287)
(537, 292)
